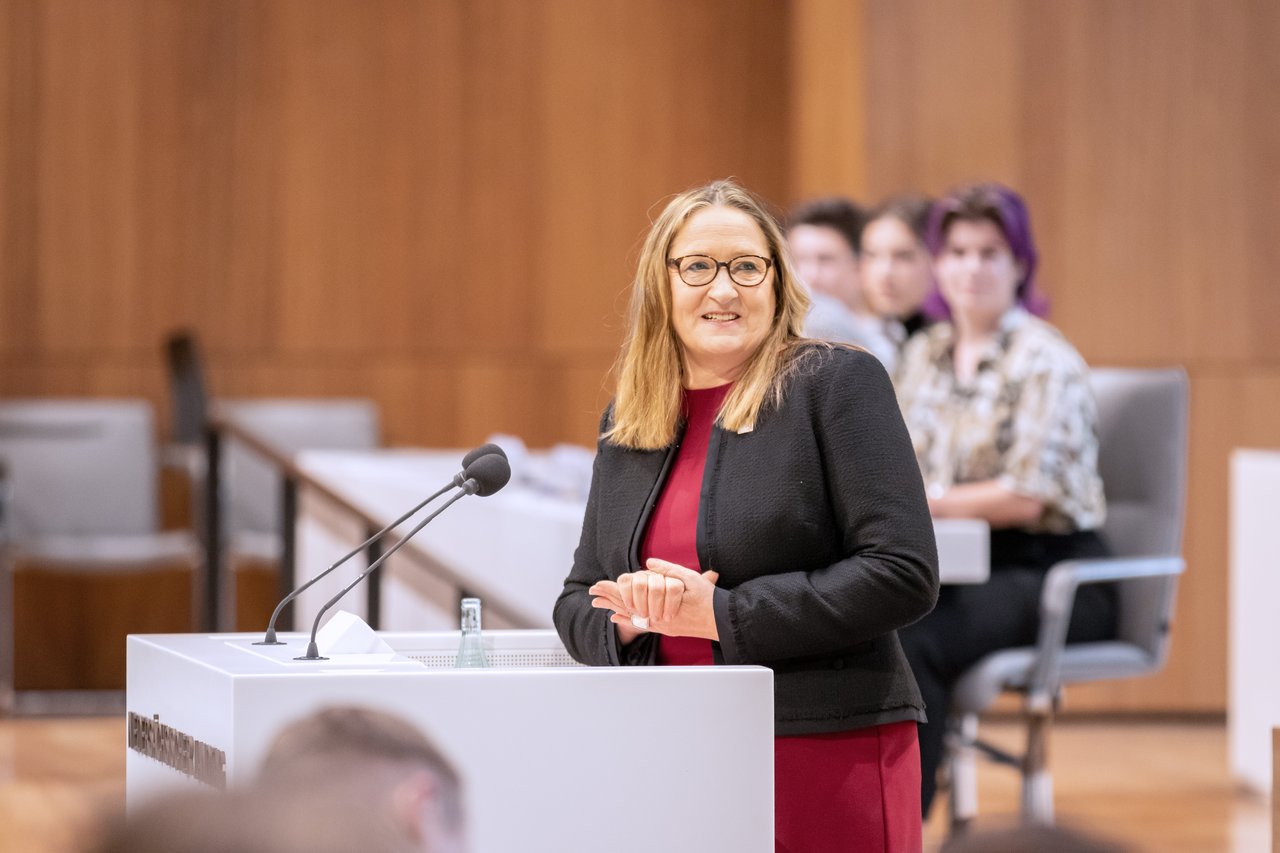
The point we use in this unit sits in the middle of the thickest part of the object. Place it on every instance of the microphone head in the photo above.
(482, 450)
(489, 473)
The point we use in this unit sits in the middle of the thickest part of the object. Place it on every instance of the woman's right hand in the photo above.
(635, 594)
(648, 595)
(640, 595)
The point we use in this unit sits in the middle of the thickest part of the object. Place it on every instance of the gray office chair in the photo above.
(1143, 458)
(83, 504)
(253, 487)
(250, 486)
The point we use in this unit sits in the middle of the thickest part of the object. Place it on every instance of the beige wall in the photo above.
(437, 204)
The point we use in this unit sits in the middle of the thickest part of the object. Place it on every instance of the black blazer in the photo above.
(818, 525)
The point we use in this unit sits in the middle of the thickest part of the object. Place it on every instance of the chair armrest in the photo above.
(1057, 599)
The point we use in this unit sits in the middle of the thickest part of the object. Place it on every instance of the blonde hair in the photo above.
(646, 412)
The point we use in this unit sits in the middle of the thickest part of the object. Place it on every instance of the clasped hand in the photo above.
(676, 600)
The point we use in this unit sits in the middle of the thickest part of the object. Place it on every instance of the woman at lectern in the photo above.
(755, 500)
(1005, 429)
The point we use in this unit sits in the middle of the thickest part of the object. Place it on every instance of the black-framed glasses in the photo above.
(701, 270)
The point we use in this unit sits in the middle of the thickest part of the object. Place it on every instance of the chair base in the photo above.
(69, 626)
(964, 747)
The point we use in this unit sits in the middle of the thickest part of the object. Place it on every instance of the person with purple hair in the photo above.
(1004, 428)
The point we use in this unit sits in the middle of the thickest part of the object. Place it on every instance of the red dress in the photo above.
(844, 791)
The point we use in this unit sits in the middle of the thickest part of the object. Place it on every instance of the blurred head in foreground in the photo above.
(378, 761)
(253, 821)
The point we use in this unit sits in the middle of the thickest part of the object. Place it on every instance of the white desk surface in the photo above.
(516, 546)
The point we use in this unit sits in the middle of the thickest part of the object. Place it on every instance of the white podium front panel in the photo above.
(527, 741)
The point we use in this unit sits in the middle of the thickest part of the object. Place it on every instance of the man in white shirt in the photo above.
(823, 236)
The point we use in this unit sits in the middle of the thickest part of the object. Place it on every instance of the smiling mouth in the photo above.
(720, 317)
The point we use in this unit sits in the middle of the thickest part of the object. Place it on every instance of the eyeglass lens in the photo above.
(746, 270)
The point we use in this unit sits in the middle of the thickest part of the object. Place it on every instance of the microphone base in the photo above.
(313, 651)
(270, 643)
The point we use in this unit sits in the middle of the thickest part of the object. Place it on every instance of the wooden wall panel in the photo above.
(496, 306)
(442, 165)
(185, 109)
(239, 317)
(88, 208)
(722, 81)
(942, 79)
(590, 237)
(1261, 154)
(829, 53)
(418, 402)
(344, 197)
(1144, 135)
(435, 204)
(586, 393)
(18, 27)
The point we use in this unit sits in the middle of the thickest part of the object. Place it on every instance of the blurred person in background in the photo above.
(376, 759)
(896, 267)
(1004, 427)
(823, 238)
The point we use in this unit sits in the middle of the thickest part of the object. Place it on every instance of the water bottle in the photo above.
(471, 650)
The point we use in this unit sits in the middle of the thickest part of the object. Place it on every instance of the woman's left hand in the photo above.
(687, 599)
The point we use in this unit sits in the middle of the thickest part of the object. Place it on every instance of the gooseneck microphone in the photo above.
(458, 482)
(486, 475)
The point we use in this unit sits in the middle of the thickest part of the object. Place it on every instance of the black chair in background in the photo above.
(85, 561)
(251, 555)
(187, 394)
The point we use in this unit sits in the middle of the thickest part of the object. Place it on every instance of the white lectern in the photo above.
(553, 755)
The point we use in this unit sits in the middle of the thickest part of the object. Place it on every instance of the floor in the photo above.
(1162, 787)
(1159, 786)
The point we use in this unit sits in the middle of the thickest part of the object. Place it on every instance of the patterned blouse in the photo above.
(1026, 419)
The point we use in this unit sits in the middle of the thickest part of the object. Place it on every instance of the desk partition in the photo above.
(1253, 708)
(512, 549)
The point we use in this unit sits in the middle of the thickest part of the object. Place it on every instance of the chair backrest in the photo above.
(79, 467)
(1142, 427)
(188, 399)
(253, 485)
